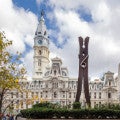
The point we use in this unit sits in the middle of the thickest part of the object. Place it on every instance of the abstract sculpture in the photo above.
(83, 70)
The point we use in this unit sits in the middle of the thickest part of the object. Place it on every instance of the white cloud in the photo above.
(19, 26)
(17, 23)
(39, 2)
(103, 32)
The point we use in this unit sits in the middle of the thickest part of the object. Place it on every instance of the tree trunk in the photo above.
(1, 100)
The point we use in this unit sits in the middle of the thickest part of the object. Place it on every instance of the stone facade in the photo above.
(52, 83)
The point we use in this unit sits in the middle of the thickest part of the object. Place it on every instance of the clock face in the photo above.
(39, 41)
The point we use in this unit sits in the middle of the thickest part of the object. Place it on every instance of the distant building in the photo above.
(52, 83)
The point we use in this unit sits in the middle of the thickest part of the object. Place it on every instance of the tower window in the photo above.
(109, 83)
(40, 52)
(45, 33)
(39, 32)
(100, 95)
(55, 72)
(39, 62)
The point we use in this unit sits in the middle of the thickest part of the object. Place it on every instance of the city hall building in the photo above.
(51, 82)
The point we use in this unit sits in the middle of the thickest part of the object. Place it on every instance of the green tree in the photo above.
(10, 73)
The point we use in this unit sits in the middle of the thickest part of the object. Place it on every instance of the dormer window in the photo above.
(64, 73)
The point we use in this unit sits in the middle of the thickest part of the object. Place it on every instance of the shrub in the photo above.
(76, 105)
(48, 113)
(43, 104)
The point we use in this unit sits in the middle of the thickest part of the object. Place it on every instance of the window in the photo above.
(55, 94)
(21, 95)
(11, 95)
(100, 95)
(46, 85)
(32, 94)
(39, 32)
(90, 87)
(69, 95)
(55, 72)
(99, 103)
(40, 52)
(36, 93)
(26, 105)
(95, 95)
(37, 102)
(90, 94)
(69, 103)
(26, 95)
(63, 103)
(21, 104)
(17, 95)
(56, 85)
(17, 104)
(74, 95)
(39, 62)
(109, 83)
(41, 94)
(64, 73)
(94, 104)
(109, 95)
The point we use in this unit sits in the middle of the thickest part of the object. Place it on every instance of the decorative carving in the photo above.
(83, 71)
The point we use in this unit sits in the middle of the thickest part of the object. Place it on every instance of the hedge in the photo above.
(47, 113)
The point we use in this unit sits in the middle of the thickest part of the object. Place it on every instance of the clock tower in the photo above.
(41, 48)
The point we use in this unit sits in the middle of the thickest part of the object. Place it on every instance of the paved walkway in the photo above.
(64, 119)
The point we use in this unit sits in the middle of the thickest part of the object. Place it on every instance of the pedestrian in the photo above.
(3, 117)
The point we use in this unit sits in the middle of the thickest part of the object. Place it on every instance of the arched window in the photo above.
(39, 62)
(109, 95)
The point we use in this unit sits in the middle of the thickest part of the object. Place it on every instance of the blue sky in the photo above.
(31, 5)
(66, 20)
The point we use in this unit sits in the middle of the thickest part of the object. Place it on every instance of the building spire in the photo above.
(41, 28)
